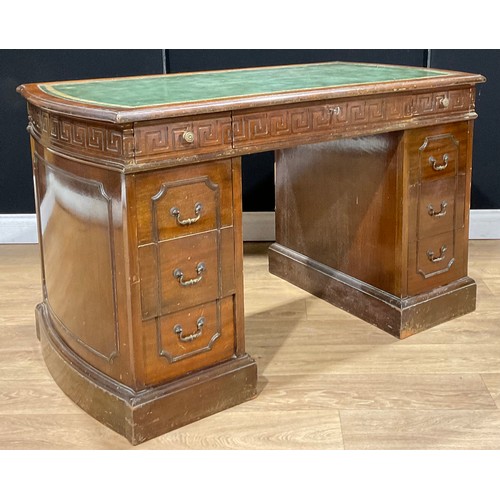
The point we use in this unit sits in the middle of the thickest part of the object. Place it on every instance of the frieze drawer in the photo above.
(185, 137)
(279, 124)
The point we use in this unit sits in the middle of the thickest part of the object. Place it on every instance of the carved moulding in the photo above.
(282, 123)
(94, 140)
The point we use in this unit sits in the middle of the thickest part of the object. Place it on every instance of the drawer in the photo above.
(437, 152)
(181, 201)
(189, 340)
(438, 157)
(182, 137)
(180, 273)
(436, 207)
(436, 261)
(298, 122)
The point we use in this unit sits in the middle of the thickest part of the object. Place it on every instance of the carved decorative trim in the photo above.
(220, 133)
(336, 116)
(86, 138)
(170, 137)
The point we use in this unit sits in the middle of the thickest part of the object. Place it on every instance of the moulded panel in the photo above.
(77, 227)
(189, 340)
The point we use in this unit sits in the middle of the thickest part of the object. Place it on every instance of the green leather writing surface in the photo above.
(136, 92)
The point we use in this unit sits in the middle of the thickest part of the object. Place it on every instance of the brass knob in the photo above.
(188, 136)
(334, 110)
(445, 102)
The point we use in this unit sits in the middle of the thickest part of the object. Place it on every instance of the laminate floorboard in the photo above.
(327, 380)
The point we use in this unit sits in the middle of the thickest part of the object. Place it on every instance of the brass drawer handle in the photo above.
(189, 338)
(437, 167)
(175, 212)
(188, 136)
(433, 213)
(179, 275)
(430, 254)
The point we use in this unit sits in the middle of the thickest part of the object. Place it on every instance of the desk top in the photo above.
(159, 96)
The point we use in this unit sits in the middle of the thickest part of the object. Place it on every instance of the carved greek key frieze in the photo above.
(222, 132)
(170, 137)
(84, 137)
(282, 123)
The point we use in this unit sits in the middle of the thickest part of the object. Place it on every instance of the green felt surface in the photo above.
(180, 88)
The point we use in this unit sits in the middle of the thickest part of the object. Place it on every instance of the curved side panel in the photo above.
(77, 233)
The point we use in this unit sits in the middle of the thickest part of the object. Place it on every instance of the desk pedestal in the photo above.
(141, 322)
(378, 225)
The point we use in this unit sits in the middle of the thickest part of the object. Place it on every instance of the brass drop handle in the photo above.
(189, 338)
(433, 213)
(175, 212)
(430, 254)
(188, 136)
(435, 166)
(179, 275)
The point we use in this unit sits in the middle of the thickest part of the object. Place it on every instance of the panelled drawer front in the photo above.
(183, 137)
(179, 273)
(436, 255)
(185, 207)
(439, 156)
(436, 207)
(436, 261)
(170, 206)
(431, 148)
(197, 330)
(189, 340)
(437, 174)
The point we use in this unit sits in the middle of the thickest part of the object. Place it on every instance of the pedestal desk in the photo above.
(138, 196)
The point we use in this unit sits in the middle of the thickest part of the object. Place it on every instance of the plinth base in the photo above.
(400, 317)
(143, 415)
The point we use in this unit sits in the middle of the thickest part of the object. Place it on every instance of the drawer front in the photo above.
(189, 340)
(439, 156)
(180, 273)
(437, 152)
(179, 202)
(185, 137)
(283, 124)
(438, 162)
(436, 207)
(436, 261)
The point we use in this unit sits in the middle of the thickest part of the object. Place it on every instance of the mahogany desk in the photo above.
(138, 194)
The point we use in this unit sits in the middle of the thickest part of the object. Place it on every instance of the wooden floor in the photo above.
(327, 379)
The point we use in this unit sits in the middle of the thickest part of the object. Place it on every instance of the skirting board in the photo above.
(257, 226)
